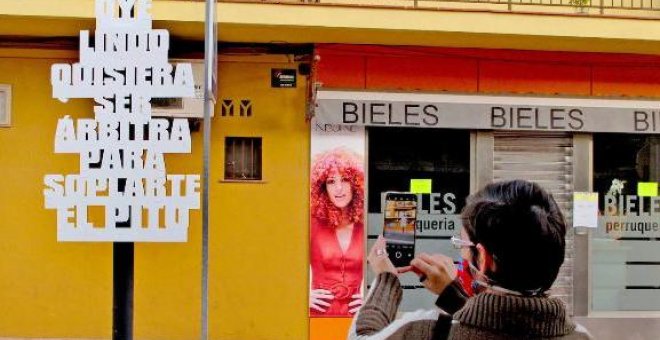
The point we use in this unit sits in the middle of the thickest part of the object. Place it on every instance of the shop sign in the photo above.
(477, 112)
(122, 166)
(437, 215)
(440, 218)
(283, 77)
(630, 216)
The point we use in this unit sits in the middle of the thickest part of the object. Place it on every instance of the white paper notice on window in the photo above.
(585, 209)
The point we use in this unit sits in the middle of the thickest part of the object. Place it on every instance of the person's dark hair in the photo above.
(521, 225)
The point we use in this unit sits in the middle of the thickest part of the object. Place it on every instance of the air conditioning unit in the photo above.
(183, 107)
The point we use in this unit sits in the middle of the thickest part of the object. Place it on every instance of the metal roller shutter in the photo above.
(547, 159)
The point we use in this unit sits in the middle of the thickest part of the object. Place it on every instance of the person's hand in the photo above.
(378, 260)
(317, 299)
(436, 271)
(355, 305)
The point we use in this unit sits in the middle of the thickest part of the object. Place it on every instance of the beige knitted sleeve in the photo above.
(382, 303)
(376, 319)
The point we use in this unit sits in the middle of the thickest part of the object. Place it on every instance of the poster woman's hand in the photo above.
(355, 304)
(317, 299)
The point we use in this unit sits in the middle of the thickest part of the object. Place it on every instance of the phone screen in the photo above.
(399, 227)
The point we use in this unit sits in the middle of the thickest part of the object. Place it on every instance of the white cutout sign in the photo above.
(122, 168)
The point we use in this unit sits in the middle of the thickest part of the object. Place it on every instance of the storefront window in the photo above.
(625, 249)
(398, 155)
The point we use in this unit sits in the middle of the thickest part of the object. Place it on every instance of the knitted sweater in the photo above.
(486, 316)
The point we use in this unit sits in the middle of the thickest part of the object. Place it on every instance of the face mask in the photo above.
(479, 281)
(475, 281)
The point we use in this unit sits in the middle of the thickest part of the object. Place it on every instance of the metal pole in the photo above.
(123, 266)
(122, 290)
(210, 48)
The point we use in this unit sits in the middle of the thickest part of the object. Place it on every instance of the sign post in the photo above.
(210, 90)
(122, 290)
(122, 165)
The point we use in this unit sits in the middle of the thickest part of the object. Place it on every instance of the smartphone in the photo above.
(399, 227)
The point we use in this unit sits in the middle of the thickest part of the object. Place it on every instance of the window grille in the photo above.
(243, 158)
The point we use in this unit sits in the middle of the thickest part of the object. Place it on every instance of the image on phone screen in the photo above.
(399, 227)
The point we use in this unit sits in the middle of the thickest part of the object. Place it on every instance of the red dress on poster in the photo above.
(335, 270)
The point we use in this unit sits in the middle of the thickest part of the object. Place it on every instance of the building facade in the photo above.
(423, 115)
(453, 92)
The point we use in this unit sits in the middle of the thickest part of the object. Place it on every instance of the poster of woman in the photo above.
(337, 224)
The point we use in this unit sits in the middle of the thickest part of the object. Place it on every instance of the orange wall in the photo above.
(488, 71)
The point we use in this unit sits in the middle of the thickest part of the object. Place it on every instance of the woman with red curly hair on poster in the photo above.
(337, 231)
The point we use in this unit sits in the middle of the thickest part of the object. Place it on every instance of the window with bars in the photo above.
(243, 158)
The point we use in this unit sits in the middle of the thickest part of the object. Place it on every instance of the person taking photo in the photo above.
(513, 240)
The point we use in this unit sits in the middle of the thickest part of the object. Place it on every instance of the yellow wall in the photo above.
(46, 288)
(259, 231)
(261, 252)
